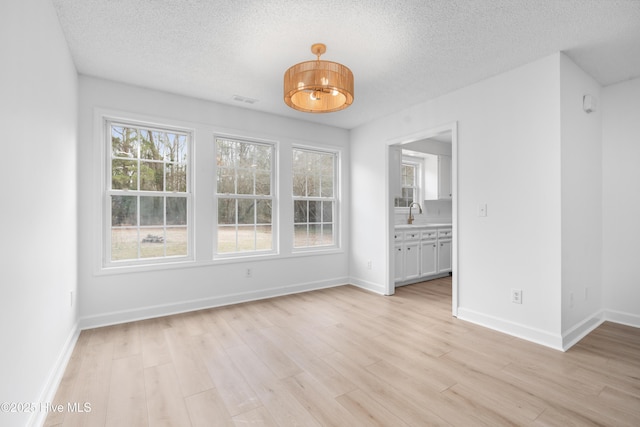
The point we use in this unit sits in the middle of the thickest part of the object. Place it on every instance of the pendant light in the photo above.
(318, 86)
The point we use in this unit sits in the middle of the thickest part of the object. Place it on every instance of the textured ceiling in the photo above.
(401, 52)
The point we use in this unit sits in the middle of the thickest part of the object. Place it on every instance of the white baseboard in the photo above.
(528, 333)
(369, 286)
(622, 318)
(52, 382)
(581, 330)
(149, 312)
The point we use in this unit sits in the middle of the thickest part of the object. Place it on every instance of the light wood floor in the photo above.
(345, 357)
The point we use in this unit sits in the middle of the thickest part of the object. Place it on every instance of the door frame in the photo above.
(390, 212)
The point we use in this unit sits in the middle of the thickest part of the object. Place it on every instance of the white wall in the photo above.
(621, 201)
(38, 83)
(508, 158)
(109, 298)
(581, 203)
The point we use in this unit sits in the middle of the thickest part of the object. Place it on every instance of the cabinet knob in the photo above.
(408, 249)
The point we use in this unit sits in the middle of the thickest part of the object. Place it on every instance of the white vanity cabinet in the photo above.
(421, 253)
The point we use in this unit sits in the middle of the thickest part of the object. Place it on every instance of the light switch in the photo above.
(482, 209)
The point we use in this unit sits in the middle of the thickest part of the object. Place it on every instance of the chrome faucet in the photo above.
(410, 219)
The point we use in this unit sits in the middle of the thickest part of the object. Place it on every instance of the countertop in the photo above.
(410, 226)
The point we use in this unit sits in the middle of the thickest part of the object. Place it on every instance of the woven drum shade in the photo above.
(318, 86)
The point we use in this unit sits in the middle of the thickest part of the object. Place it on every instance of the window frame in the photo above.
(418, 164)
(107, 261)
(335, 199)
(217, 256)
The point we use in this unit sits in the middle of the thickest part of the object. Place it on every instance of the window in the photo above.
(244, 196)
(410, 187)
(148, 193)
(314, 198)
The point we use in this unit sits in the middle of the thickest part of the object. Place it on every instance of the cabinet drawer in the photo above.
(445, 233)
(412, 235)
(428, 234)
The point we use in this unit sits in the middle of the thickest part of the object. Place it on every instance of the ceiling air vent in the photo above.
(244, 99)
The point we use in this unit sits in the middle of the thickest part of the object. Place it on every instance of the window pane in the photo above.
(327, 234)
(175, 148)
(315, 211)
(124, 174)
(176, 244)
(124, 243)
(263, 183)
(176, 211)
(176, 177)
(263, 211)
(327, 211)
(124, 142)
(327, 186)
(300, 211)
(299, 184)
(313, 185)
(226, 181)
(264, 237)
(151, 176)
(151, 210)
(315, 235)
(262, 158)
(226, 211)
(151, 144)
(152, 243)
(226, 239)
(246, 238)
(245, 181)
(225, 155)
(300, 235)
(124, 210)
(246, 211)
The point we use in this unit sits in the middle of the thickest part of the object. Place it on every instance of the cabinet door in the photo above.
(444, 177)
(398, 260)
(444, 256)
(411, 260)
(428, 258)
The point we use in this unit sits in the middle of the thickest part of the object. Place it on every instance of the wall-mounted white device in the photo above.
(589, 103)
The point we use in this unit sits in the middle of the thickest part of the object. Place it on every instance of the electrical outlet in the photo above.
(516, 296)
(368, 264)
(248, 273)
(482, 209)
